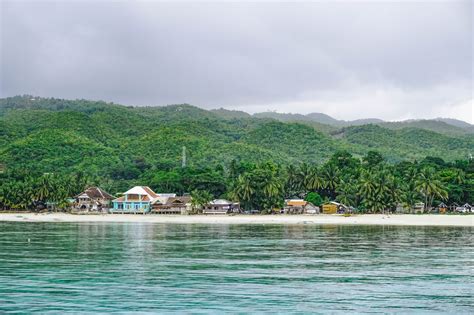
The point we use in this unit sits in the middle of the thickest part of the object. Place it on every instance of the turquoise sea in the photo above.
(171, 268)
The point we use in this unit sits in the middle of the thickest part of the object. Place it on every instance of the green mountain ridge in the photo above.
(326, 123)
(124, 142)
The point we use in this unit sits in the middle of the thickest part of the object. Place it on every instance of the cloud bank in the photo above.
(347, 59)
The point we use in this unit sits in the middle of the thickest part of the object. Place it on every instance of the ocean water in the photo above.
(172, 268)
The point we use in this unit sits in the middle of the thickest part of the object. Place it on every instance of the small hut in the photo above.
(334, 207)
(311, 209)
(442, 208)
(294, 206)
(221, 206)
(464, 208)
(419, 207)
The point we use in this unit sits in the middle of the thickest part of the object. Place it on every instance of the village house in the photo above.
(464, 208)
(221, 206)
(294, 206)
(135, 200)
(312, 209)
(335, 207)
(419, 207)
(172, 205)
(93, 199)
(299, 206)
(442, 208)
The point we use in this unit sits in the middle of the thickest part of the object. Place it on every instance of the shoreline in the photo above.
(362, 219)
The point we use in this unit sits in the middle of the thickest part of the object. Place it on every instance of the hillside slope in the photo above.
(52, 135)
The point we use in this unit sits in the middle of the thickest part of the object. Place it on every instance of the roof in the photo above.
(166, 195)
(220, 202)
(163, 198)
(337, 204)
(121, 199)
(179, 200)
(296, 202)
(144, 191)
(96, 193)
(141, 190)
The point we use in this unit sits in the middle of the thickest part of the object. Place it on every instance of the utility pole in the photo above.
(183, 161)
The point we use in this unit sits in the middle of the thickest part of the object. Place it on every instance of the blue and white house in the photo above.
(136, 200)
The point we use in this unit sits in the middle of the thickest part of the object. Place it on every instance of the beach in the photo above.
(363, 219)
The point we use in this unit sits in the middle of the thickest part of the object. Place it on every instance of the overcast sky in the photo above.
(346, 59)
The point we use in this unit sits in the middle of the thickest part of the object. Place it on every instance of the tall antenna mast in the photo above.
(183, 161)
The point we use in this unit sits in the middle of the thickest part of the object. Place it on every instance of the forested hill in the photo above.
(324, 122)
(54, 135)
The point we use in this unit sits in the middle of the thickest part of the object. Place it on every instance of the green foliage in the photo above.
(409, 143)
(199, 198)
(314, 198)
(46, 143)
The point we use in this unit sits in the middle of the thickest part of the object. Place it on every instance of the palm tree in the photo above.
(272, 191)
(346, 193)
(293, 184)
(199, 198)
(430, 187)
(43, 190)
(242, 190)
(315, 180)
(331, 179)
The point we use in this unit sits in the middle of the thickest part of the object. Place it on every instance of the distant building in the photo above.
(294, 206)
(419, 207)
(92, 199)
(442, 208)
(172, 205)
(312, 209)
(335, 207)
(464, 208)
(221, 206)
(136, 200)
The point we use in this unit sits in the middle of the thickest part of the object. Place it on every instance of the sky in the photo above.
(349, 59)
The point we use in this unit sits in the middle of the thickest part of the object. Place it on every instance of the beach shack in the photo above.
(93, 199)
(135, 200)
(294, 206)
(311, 209)
(442, 208)
(464, 208)
(172, 205)
(329, 208)
(419, 207)
(334, 207)
(221, 206)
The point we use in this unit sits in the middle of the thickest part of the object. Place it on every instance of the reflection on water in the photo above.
(109, 267)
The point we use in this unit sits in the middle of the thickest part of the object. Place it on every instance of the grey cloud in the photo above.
(290, 57)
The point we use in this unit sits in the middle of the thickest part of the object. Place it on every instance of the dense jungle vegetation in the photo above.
(50, 149)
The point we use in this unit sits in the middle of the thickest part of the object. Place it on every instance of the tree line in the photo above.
(369, 183)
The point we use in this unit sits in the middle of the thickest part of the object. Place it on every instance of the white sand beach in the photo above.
(365, 219)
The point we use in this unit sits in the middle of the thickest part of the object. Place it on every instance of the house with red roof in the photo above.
(92, 199)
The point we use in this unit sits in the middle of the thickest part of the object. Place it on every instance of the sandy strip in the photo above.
(366, 219)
